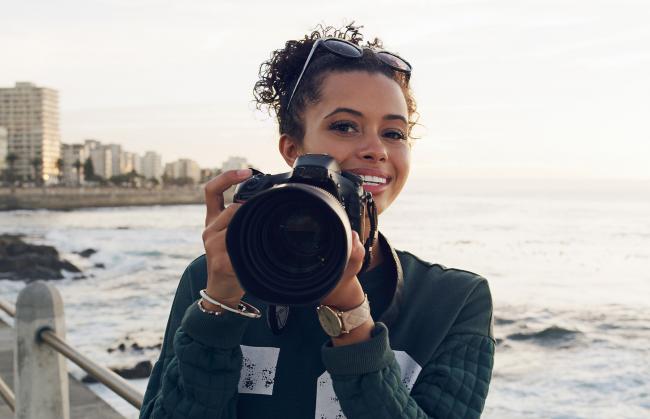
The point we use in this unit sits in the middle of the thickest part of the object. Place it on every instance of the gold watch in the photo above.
(336, 322)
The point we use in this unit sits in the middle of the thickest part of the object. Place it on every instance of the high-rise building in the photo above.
(183, 168)
(71, 153)
(136, 163)
(4, 144)
(31, 116)
(234, 163)
(116, 159)
(102, 159)
(152, 165)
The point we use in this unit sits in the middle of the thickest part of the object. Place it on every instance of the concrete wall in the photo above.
(71, 198)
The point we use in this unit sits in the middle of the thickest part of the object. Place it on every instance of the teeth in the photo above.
(373, 179)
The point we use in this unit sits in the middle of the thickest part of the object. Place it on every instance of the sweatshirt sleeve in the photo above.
(197, 374)
(453, 383)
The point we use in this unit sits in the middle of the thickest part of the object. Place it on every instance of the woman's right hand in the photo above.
(222, 284)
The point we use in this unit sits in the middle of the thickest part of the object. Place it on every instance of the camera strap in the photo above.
(371, 210)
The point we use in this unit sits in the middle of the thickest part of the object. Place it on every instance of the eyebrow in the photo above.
(388, 117)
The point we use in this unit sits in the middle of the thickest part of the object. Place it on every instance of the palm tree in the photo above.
(36, 163)
(59, 166)
(11, 161)
(78, 165)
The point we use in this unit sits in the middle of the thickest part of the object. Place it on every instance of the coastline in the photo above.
(58, 198)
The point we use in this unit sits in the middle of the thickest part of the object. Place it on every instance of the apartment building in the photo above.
(30, 115)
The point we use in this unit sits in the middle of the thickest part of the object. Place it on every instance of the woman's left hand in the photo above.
(348, 293)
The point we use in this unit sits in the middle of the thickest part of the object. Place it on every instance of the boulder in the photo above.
(86, 253)
(141, 370)
(27, 262)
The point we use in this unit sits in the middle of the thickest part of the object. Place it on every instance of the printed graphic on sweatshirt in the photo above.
(258, 370)
(327, 404)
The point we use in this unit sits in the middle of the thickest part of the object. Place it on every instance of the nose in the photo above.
(373, 149)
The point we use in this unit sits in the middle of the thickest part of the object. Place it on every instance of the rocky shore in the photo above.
(22, 261)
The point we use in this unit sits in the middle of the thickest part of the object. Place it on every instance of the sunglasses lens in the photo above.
(343, 48)
(394, 61)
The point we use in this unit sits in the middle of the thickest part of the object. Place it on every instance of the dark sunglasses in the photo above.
(347, 49)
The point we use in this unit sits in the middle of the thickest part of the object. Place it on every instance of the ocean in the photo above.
(568, 264)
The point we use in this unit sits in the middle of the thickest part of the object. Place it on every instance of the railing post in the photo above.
(41, 378)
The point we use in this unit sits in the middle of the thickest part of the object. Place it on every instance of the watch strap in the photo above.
(357, 316)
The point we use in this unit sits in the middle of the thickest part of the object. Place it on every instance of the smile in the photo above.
(373, 180)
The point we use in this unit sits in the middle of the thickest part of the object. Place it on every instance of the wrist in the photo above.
(346, 296)
(224, 298)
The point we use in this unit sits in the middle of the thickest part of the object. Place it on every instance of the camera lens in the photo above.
(289, 245)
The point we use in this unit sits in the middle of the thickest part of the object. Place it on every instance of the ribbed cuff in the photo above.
(224, 331)
(359, 358)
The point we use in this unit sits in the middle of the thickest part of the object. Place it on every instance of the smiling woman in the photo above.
(403, 339)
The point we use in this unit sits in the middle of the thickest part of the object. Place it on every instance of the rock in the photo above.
(86, 253)
(27, 262)
(100, 266)
(67, 266)
(135, 346)
(140, 370)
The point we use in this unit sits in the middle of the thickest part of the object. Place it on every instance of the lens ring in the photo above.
(394, 61)
(343, 48)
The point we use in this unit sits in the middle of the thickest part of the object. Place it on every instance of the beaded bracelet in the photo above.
(243, 308)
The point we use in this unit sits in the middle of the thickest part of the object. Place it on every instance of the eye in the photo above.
(395, 134)
(345, 127)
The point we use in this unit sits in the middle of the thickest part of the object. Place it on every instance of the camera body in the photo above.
(291, 239)
(318, 170)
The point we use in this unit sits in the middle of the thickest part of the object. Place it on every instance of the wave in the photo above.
(552, 334)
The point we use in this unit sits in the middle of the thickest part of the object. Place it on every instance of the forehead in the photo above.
(371, 94)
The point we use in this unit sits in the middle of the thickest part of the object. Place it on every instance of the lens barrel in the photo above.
(289, 245)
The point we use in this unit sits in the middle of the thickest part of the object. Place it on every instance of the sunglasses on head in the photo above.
(346, 49)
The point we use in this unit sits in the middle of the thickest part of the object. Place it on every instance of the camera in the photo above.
(290, 241)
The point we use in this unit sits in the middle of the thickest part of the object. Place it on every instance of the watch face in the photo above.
(330, 322)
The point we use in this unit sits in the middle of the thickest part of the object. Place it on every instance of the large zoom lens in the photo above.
(289, 244)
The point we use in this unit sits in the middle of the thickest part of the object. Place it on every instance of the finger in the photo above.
(356, 255)
(215, 188)
(223, 219)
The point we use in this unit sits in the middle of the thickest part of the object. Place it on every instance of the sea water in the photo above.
(568, 264)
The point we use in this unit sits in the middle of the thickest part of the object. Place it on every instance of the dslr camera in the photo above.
(290, 241)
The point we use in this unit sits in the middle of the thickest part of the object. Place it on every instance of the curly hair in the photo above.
(278, 75)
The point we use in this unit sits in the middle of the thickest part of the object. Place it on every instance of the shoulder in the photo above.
(419, 272)
(194, 278)
(457, 297)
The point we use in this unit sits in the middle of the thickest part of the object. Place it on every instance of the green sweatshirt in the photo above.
(433, 360)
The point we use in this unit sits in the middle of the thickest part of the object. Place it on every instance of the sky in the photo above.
(505, 89)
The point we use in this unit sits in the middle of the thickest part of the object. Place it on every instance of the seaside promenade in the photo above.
(62, 198)
(84, 403)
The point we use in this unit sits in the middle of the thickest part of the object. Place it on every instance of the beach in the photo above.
(567, 263)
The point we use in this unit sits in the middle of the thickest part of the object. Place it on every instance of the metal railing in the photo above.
(5, 391)
(40, 333)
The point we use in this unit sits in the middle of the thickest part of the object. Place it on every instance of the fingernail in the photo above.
(244, 172)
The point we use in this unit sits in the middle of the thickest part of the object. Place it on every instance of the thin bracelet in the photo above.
(243, 308)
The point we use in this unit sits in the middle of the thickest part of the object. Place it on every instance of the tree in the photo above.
(78, 165)
(36, 163)
(11, 161)
(59, 165)
(89, 170)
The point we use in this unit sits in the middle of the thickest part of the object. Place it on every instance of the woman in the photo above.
(415, 339)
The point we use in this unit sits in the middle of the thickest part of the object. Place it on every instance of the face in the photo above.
(361, 121)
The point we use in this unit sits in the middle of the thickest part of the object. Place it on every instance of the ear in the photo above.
(289, 148)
